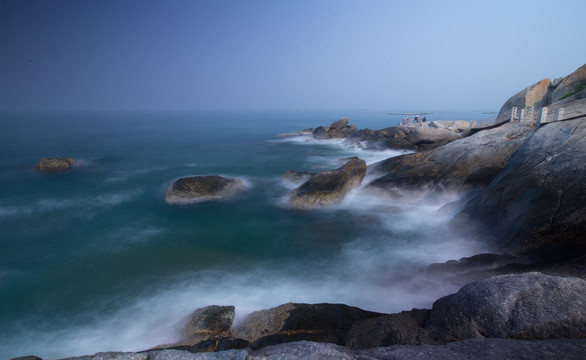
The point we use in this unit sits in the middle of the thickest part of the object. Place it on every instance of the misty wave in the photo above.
(124, 175)
(366, 273)
(87, 203)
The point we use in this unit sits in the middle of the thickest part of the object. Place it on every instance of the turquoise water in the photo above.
(94, 260)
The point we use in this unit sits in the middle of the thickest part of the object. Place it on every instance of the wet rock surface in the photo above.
(194, 189)
(329, 187)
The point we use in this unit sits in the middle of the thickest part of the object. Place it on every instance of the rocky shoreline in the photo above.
(522, 190)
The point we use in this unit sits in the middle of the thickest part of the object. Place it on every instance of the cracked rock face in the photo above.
(536, 203)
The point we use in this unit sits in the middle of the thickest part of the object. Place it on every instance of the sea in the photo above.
(94, 260)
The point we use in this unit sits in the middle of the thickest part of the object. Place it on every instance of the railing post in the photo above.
(531, 113)
(560, 114)
(513, 114)
(522, 116)
(542, 117)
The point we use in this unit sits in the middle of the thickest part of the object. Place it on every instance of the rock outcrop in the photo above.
(573, 83)
(471, 161)
(523, 306)
(478, 349)
(56, 164)
(535, 95)
(194, 189)
(329, 187)
(536, 203)
(425, 136)
(339, 129)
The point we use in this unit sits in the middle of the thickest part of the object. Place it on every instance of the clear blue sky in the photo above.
(241, 54)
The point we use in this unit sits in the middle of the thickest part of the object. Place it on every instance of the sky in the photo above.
(276, 54)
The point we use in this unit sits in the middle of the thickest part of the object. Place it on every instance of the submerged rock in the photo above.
(56, 164)
(195, 189)
(329, 187)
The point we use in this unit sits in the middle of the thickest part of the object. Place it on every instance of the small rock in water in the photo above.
(194, 189)
(56, 164)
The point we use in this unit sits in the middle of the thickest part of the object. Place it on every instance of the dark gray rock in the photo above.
(329, 187)
(211, 320)
(303, 350)
(196, 189)
(113, 356)
(56, 164)
(536, 203)
(402, 328)
(185, 355)
(522, 306)
(203, 343)
(468, 162)
(294, 322)
(482, 349)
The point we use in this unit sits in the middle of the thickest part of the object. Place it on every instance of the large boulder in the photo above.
(428, 137)
(536, 95)
(56, 164)
(468, 162)
(522, 306)
(329, 187)
(194, 189)
(296, 322)
(536, 203)
(575, 82)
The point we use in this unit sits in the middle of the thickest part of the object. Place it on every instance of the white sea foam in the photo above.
(376, 272)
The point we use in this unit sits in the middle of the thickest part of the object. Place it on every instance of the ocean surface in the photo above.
(93, 259)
